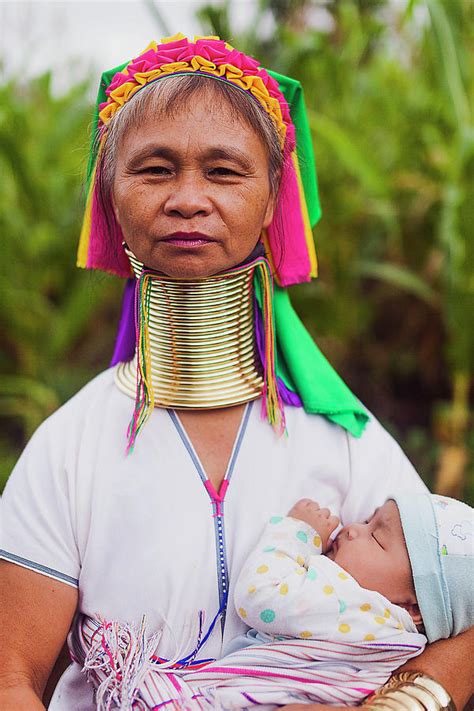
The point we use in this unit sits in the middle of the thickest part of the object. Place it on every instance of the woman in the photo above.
(194, 174)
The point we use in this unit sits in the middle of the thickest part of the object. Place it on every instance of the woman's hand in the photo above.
(449, 661)
(320, 519)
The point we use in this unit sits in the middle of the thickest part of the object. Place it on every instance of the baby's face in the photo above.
(375, 554)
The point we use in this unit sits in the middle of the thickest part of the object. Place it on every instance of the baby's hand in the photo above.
(320, 519)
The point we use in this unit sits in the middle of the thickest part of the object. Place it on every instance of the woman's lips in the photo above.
(187, 239)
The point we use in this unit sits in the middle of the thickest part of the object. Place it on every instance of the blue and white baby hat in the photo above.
(439, 534)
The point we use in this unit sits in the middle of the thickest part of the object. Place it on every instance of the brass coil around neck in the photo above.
(202, 341)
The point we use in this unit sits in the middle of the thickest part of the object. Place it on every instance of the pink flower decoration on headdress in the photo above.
(206, 55)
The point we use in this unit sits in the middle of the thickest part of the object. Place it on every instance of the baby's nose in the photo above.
(352, 531)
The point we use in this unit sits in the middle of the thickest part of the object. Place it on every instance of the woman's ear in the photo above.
(413, 610)
(269, 212)
(114, 206)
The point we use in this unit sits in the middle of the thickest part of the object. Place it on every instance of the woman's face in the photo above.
(191, 191)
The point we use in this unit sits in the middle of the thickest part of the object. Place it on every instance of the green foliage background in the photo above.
(390, 105)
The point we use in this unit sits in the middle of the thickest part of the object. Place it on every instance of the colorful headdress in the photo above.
(289, 239)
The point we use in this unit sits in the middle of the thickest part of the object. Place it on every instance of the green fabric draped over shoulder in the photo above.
(305, 370)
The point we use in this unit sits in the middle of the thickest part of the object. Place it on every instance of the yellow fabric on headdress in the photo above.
(254, 84)
(84, 239)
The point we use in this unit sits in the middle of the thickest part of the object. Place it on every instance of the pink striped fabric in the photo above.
(119, 661)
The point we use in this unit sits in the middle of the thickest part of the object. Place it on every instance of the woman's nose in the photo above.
(187, 199)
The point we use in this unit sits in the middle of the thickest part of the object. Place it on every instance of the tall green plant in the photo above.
(455, 231)
(49, 308)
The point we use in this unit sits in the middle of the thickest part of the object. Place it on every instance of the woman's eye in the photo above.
(156, 170)
(222, 172)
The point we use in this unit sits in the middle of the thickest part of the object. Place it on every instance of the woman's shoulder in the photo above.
(299, 422)
(377, 467)
(97, 390)
(373, 440)
(68, 439)
(89, 408)
(44, 492)
(98, 386)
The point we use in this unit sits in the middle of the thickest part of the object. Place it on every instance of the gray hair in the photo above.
(163, 98)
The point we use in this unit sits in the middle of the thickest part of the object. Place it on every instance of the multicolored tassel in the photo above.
(145, 398)
(87, 227)
(272, 405)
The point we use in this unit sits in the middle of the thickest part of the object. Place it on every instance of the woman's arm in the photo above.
(35, 617)
(449, 661)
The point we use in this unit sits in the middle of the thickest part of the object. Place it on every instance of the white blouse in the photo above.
(141, 535)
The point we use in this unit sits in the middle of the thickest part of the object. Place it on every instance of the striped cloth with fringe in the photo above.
(120, 662)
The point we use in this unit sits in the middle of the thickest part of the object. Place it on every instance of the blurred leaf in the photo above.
(49, 307)
(397, 276)
(348, 153)
(449, 60)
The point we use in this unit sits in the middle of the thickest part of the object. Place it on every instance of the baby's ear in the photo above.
(413, 610)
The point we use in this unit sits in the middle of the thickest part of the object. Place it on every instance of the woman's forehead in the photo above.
(195, 129)
(204, 105)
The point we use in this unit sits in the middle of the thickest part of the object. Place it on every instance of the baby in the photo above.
(360, 602)
(410, 565)
(299, 583)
